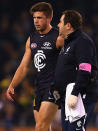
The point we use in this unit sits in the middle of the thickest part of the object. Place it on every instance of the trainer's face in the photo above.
(40, 21)
(62, 27)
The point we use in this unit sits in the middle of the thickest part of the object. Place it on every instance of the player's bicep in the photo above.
(26, 61)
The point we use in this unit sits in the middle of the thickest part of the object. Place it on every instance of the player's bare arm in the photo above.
(22, 70)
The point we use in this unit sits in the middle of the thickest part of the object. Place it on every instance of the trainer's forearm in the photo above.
(19, 76)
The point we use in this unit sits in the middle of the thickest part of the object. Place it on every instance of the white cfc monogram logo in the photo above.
(38, 58)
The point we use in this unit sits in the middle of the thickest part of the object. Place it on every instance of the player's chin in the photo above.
(38, 28)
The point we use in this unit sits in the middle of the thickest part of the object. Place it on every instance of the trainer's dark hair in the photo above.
(74, 18)
(42, 7)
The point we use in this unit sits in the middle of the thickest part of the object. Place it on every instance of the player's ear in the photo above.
(50, 19)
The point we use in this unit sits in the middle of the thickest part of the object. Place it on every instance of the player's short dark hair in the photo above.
(44, 7)
(74, 18)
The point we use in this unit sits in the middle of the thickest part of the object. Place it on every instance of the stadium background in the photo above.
(15, 26)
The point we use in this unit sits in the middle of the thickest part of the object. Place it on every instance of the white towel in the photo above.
(76, 113)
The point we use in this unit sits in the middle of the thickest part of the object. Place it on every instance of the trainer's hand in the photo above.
(72, 101)
(60, 41)
(10, 93)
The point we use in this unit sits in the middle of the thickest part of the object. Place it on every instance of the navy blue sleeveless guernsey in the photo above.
(44, 55)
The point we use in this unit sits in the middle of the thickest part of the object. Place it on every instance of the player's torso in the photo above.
(44, 53)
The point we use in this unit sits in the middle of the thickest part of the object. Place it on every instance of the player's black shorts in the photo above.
(46, 95)
(40, 96)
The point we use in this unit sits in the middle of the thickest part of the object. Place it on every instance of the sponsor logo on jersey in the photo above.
(39, 60)
(33, 45)
(46, 45)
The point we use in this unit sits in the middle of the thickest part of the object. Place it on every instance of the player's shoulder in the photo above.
(54, 32)
(33, 33)
(28, 42)
(54, 29)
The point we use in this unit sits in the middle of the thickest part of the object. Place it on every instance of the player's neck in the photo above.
(46, 30)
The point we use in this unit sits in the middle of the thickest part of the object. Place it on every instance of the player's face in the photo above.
(62, 27)
(40, 21)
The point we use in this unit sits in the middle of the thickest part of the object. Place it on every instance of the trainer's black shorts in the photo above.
(45, 95)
